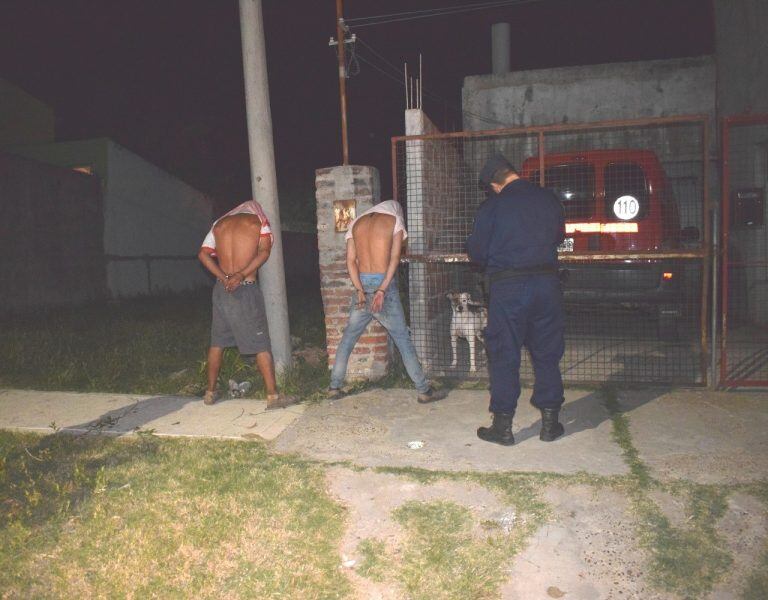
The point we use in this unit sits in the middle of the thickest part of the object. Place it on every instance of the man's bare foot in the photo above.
(280, 401)
(210, 397)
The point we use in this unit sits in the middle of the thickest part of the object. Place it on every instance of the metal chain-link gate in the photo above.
(744, 266)
(634, 260)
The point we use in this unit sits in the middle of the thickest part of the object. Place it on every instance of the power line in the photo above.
(434, 12)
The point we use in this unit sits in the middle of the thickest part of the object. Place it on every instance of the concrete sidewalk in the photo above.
(124, 414)
(702, 436)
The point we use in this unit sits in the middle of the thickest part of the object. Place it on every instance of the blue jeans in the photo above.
(393, 320)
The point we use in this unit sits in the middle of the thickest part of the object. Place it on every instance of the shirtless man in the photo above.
(374, 243)
(233, 251)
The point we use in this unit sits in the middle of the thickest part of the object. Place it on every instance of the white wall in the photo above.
(149, 213)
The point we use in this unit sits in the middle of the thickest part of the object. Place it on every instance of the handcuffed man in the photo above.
(374, 244)
(237, 245)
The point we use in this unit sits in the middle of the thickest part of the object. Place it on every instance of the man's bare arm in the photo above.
(354, 271)
(262, 254)
(352, 267)
(210, 263)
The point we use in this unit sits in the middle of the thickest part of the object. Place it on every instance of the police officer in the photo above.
(515, 239)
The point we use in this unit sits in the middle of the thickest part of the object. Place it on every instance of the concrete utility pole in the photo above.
(263, 175)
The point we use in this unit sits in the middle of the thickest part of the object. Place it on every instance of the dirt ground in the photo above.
(587, 550)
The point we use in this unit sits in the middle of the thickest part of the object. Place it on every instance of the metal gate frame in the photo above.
(703, 254)
(727, 124)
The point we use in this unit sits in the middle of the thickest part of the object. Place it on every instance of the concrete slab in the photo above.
(589, 550)
(374, 428)
(125, 414)
(703, 436)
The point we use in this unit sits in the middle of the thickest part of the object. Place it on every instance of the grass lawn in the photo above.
(142, 346)
(102, 517)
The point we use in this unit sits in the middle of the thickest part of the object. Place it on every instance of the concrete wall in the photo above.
(153, 222)
(741, 43)
(50, 236)
(149, 213)
(741, 47)
(585, 94)
(23, 118)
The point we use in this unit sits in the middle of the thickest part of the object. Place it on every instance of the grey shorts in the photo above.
(239, 319)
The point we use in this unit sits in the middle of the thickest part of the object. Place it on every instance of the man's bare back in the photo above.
(373, 242)
(237, 242)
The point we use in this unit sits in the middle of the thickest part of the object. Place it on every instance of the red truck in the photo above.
(618, 201)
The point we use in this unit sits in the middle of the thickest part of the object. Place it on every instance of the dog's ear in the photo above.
(451, 296)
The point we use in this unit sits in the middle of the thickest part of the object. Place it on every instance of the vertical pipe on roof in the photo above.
(500, 48)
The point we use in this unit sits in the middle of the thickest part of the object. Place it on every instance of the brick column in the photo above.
(370, 357)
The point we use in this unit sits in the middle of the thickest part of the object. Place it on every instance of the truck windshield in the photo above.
(574, 185)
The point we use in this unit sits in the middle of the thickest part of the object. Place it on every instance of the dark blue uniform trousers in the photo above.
(525, 311)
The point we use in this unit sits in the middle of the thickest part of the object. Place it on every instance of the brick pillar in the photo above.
(370, 357)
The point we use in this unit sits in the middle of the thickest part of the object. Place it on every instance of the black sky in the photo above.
(164, 77)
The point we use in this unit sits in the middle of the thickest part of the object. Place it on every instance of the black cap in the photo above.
(491, 166)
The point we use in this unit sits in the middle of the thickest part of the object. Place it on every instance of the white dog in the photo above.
(468, 321)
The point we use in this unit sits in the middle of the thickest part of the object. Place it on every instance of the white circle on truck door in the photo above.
(626, 207)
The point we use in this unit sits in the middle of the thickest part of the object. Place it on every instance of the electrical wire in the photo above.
(427, 13)
(433, 11)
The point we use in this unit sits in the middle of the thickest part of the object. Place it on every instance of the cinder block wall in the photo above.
(370, 357)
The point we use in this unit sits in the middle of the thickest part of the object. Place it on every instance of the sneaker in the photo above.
(280, 401)
(431, 395)
(334, 393)
(210, 397)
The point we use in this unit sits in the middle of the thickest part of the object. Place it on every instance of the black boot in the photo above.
(551, 428)
(500, 432)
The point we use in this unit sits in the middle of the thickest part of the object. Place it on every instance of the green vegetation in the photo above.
(442, 559)
(686, 559)
(95, 516)
(141, 346)
(757, 584)
(374, 563)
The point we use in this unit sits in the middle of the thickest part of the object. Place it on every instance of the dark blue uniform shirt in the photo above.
(520, 227)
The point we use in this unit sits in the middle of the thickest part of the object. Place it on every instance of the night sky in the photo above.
(164, 77)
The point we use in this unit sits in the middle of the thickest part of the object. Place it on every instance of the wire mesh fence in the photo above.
(744, 289)
(632, 264)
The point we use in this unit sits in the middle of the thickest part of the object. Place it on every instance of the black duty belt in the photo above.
(522, 272)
